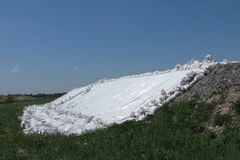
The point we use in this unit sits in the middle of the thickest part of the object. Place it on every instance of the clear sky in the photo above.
(49, 46)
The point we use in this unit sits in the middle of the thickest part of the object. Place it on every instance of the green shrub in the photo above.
(188, 115)
(221, 120)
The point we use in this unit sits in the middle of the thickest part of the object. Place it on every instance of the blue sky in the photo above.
(49, 46)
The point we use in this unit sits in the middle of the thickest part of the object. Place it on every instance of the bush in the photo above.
(221, 120)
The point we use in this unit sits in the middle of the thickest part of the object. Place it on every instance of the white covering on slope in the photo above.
(112, 101)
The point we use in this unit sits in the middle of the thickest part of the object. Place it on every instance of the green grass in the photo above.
(221, 120)
(175, 132)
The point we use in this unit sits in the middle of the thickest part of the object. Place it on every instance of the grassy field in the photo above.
(176, 131)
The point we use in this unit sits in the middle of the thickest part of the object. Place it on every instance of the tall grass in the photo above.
(176, 131)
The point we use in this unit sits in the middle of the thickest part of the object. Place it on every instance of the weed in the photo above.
(221, 120)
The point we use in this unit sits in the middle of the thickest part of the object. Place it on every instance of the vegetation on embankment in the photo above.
(26, 97)
(176, 131)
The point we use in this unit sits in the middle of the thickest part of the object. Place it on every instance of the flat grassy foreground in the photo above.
(174, 132)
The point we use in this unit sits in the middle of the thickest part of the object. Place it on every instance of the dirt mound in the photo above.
(221, 87)
(9, 99)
